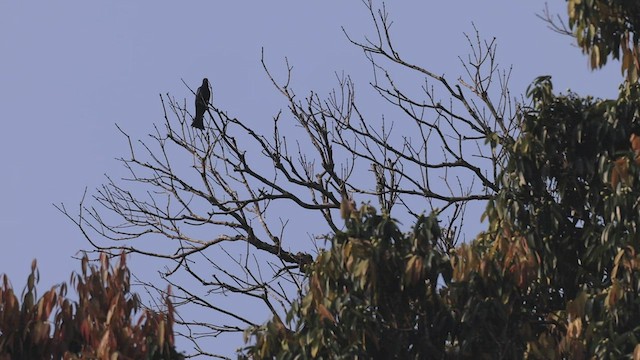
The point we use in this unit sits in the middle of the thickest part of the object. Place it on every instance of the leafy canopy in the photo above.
(104, 323)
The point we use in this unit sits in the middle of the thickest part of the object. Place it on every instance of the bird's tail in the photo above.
(198, 123)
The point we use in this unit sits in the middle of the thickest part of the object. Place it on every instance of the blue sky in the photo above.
(70, 70)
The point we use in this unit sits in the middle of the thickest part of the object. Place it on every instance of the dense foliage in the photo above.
(102, 324)
(555, 276)
(606, 28)
(572, 197)
(374, 293)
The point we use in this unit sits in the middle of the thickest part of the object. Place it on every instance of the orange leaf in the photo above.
(620, 171)
(615, 293)
(325, 313)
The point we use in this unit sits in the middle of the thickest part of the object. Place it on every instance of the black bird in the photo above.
(202, 100)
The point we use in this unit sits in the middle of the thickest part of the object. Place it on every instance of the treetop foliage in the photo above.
(373, 281)
(606, 28)
(104, 323)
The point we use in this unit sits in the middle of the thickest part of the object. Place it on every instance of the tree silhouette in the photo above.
(106, 320)
(205, 196)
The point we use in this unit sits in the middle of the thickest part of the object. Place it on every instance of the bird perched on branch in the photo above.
(202, 100)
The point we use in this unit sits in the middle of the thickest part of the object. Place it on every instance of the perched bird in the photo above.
(202, 99)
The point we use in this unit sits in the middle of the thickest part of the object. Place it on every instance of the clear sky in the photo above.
(70, 70)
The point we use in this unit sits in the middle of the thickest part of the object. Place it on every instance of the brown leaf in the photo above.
(620, 172)
(635, 143)
(615, 293)
(325, 313)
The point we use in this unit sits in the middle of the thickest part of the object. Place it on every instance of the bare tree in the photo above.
(209, 195)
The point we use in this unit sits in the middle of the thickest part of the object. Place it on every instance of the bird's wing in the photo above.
(206, 94)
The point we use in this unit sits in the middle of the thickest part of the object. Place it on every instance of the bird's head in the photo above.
(205, 82)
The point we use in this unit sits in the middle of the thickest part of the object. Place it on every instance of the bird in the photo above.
(202, 99)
